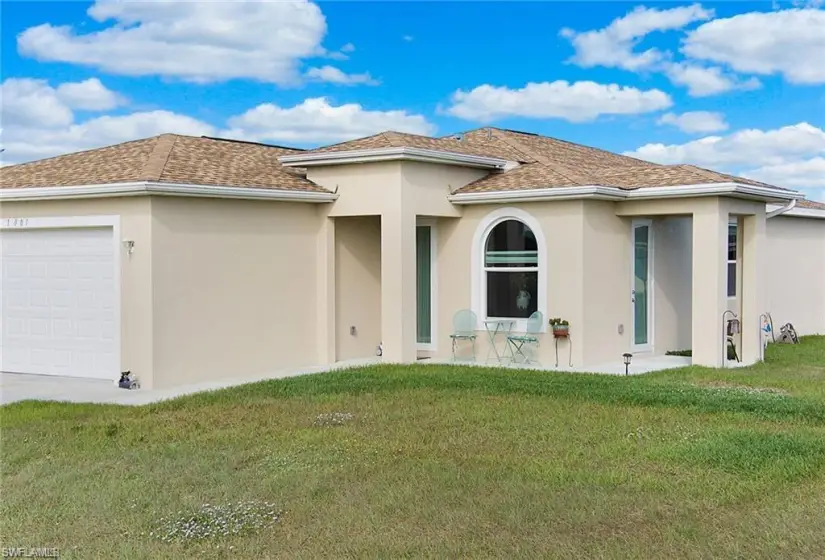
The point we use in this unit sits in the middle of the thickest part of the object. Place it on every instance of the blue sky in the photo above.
(663, 81)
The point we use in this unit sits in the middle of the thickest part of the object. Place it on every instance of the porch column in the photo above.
(398, 287)
(710, 239)
(753, 234)
(325, 290)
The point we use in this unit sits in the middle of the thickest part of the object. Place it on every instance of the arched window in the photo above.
(509, 280)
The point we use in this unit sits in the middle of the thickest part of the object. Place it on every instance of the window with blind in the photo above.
(511, 270)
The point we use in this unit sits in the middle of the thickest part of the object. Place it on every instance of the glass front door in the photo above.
(641, 285)
(423, 235)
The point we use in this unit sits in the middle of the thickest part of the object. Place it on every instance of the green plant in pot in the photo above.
(561, 328)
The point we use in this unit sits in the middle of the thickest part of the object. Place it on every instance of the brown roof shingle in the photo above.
(392, 139)
(543, 163)
(168, 158)
(559, 163)
(812, 204)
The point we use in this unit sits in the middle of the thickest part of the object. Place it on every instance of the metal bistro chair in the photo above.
(530, 339)
(464, 328)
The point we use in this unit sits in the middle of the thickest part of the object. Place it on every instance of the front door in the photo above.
(424, 286)
(641, 293)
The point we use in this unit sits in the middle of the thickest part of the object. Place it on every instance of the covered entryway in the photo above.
(696, 288)
(60, 299)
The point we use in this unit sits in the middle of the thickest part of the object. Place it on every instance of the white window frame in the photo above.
(651, 286)
(432, 346)
(478, 280)
(735, 262)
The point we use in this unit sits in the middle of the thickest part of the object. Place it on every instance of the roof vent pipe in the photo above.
(787, 208)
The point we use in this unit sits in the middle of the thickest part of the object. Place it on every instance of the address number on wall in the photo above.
(15, 222)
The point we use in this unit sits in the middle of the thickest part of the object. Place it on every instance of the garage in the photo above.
(60, 298)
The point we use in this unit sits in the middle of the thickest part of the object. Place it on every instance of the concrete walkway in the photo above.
(19, 387)
(638, 366)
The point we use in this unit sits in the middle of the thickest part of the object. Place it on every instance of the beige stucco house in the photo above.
(187, 259)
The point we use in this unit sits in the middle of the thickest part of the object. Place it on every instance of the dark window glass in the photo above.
(512, 295)
(732, 242)
(731, 279)
(511, 244)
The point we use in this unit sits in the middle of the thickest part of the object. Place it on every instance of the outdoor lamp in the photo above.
(627, 357)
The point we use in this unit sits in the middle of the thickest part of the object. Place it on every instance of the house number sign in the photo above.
(15, 222)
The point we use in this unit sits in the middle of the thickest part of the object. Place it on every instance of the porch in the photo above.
(697, 276)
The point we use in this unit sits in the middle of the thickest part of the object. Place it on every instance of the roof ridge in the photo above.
(521, 147)
(392, 137)
(156, 162)
(577, 145)
(706, 173)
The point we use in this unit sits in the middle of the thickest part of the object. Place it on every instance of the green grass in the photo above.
(436, 461)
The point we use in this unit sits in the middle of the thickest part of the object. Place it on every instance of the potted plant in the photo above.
(561, 328)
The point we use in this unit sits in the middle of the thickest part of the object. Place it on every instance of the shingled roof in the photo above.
(539, 163)
(391, 139)
(811, 204)
(168, 158)
(557, 163)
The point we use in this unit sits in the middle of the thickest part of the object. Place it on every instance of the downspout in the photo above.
(787, 208)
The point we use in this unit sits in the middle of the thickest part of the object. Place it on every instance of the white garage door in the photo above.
(58, 302)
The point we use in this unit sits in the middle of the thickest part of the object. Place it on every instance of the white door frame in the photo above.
(648, 346)
(432, 346)
(61, 222)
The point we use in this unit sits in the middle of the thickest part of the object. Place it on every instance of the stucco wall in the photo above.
(136, 270)
(606, 281)
(672, 263)
(432, 183)
(233, 287)
(796, 272)
(357, 286)
(562, 224)
(363, 189)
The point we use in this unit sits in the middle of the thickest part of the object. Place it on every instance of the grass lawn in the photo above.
(436, 461)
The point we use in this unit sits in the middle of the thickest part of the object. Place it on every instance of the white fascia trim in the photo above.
(714, 189)
(535, 195)
(613, 193)
(801, 212)
(392, 154)
(172, 189)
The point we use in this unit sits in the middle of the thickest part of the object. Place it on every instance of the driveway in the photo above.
(20, 386)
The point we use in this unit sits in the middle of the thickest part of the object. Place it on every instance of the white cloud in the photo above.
(335, 76)
(342, 53)
(192, 40)
(89, 95)
(787, 42)
(792, 156)
(408, 38)
(24, 143)
(703, 81)
(614, 45)
(575, 102)
(742, 148)
(32, 102)
(316, 121)
(808, 173)
(695, 121)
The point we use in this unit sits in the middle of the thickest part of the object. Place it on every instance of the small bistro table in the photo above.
(493, 328)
